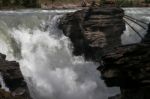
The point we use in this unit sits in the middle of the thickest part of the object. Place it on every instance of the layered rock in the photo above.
(13, 79)
(94, 31)
(130, 62)
(128, 68)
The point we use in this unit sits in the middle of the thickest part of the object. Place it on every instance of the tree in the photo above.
(102, 2)
(147, 1)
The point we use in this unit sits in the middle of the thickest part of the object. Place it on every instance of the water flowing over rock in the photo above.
(12, 80)
(94, 31)
(128, 68)
(32, 38)
(99, 29)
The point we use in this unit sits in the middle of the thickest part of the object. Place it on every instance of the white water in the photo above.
(44, 53)
(142, 14)
(31, 37)
(2, 83)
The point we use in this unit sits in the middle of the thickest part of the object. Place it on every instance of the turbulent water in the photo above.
(2, 83)
(142, 14)
(44, 53)
(32, 38)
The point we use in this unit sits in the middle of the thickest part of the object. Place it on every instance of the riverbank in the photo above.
(47, 4)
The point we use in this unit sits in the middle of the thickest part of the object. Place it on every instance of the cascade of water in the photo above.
(142, 14)
(44, 53)
(2, 83)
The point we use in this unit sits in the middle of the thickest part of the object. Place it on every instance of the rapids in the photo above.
(142, 14)
(46, 61)
(32, 38)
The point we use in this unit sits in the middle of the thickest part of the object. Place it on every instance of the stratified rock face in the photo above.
(94, 31)
(13, 79)
(129, 68)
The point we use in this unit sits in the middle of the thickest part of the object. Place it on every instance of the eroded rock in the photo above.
(94, 31)
(13, 79)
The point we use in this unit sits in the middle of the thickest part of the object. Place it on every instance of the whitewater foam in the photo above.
(46, 60)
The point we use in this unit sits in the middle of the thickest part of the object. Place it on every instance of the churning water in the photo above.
(142, 14)
(44, 53)
(32, 38)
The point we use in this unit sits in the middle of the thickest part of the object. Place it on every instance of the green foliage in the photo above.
(25, 3)
(147, 1)
(5, 2)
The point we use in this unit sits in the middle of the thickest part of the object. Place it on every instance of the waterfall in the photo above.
(44, 53)
(2, 83)
(142, 14)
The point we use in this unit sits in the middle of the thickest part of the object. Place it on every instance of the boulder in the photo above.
(13, 79)
(94, 31)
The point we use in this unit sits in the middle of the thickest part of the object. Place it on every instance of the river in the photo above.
(32, 38)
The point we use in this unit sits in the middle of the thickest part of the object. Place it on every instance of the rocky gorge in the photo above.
(95, 34)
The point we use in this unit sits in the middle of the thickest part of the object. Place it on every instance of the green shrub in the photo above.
(147, 1)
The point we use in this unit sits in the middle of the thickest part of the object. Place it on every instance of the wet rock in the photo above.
(8, 95)
(128, 68)
(13, 79)
(94, 31)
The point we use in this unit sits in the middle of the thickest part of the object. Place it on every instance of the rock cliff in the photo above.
(95, 33)
(128, 68)
(13, 79)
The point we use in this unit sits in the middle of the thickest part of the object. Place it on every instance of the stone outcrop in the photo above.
(128, 64)
(94, 31)
(128, 68)
(13, 80)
